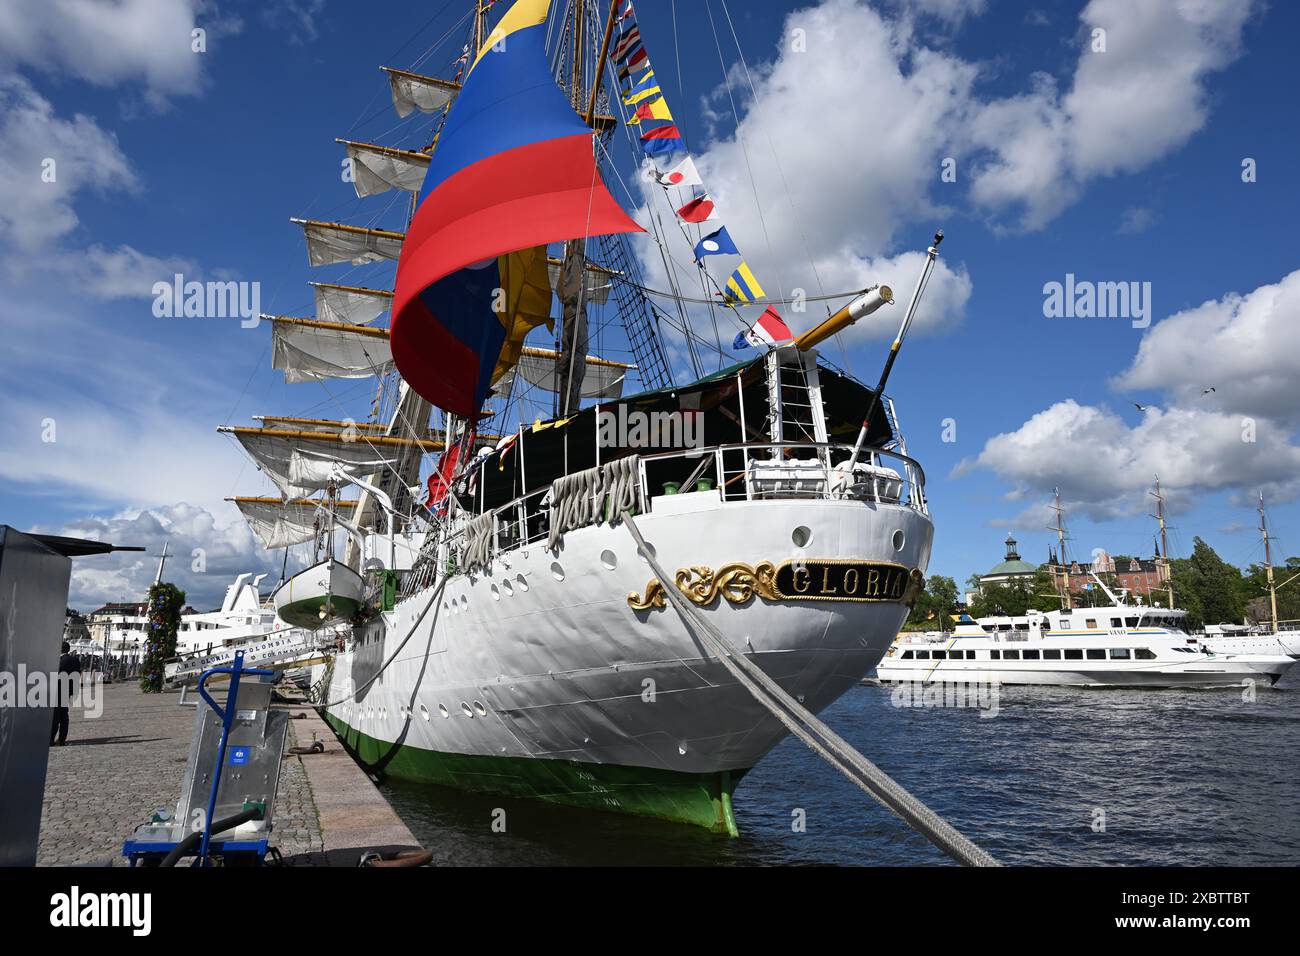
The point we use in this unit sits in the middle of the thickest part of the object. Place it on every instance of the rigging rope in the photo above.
(805, 725)
(852, 293)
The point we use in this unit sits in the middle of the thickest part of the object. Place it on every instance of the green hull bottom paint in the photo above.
(306, 613)
(696, 798)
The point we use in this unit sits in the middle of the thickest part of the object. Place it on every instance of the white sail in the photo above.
(278, 524)
(598, 282)
(302, 467)
(376, 169)
(350, 305)
(312, 352)
(331, 242)
(602, 379)
(411, 91)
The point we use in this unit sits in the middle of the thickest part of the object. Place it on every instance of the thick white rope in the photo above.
(805, 725)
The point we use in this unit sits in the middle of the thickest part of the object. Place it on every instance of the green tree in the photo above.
(1254, 591)
(1209, 588)
(164, 620)
(934, 605)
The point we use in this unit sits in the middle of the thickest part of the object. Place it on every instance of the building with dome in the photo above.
(1010, 569)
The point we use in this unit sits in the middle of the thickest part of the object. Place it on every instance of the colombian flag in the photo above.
(514, 170)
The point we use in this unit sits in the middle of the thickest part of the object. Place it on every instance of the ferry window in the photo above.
(1145, 654)
(907, 655)
(995, 655)
(1051, 655)
(922, 655)
(939, 655)
(1131, 622)
(1031, 655)
(1004, 627)
(1011, 656)
(1065, 623)
(1096, 654)
(1073, 655)
(1022, 626)
(1090, 622)
(1119, 653)
(1116, 622)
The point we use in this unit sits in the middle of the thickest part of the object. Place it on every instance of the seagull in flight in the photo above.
(1207, 391)
(1140, 408)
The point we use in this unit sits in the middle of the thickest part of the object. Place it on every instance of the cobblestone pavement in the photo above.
(118, 768)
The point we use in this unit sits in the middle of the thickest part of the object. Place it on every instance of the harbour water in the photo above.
(1058, 777)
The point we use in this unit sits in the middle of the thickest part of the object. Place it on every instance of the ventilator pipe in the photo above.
(862, 306)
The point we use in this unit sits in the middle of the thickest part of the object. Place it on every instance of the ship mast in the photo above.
(1060, 537)
(570, 366)
(1268, 562)
(1163, 560)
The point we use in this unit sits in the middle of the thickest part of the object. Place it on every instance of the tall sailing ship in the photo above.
(505, 631)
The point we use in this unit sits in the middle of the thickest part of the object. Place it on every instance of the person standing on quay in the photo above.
(69, 665)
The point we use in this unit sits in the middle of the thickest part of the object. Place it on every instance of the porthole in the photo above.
(424, 712)
(609, 559)
(681, 748)
(442, 709)
(464, 709)
(557, 571)
(649, 549)
(496, 593)
(464, 602)
(522, 582)
(507, 587)
(801, 536)
(482, 711)
(900, 539)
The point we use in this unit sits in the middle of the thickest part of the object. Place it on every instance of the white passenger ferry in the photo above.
(1120, 644)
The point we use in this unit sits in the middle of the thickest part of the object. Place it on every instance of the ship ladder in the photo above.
(820, 738)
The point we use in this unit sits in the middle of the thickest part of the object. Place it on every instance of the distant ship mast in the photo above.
(1162, 562)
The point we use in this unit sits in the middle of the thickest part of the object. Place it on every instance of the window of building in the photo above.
(1051, 655)
(1072, 654)
(1120, 653)
(1096, 654)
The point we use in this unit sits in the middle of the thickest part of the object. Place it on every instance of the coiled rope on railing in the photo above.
(804, 724)
(477, 551)
(586, 497)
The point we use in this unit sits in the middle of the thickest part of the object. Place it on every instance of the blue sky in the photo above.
(1119, 165)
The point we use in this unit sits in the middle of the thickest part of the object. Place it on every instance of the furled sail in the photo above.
(376, 169)
(603, 378)
(331, 242)
(308, 351)
(598, 280)
(413, 91)
(514, 171)
(301, 463)
(350, 304)
(278, 523)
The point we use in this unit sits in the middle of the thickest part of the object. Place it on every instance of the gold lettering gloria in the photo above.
(737, 582)
(805, 579)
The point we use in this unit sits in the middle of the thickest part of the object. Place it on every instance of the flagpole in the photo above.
(931, 254)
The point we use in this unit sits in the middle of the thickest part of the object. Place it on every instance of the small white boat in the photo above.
(1117, 646)
(324, 593)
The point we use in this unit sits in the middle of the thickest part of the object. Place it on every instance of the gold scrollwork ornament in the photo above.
(737, 582)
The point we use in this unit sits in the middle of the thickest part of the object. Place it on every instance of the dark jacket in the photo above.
(68, 664)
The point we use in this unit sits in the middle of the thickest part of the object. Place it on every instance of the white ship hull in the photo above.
(543, 669)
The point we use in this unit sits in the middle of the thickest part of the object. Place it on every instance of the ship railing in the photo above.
(745, 471)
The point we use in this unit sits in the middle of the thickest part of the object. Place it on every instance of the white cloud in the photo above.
(950, 11)
(1247, 347)
(1105, 467)
(1136, 220)
(35, 212)
(109, 42)
(1127, 107)
(204, 555)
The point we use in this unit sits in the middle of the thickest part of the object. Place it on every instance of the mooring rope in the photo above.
(580, 499)
(804, 724)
